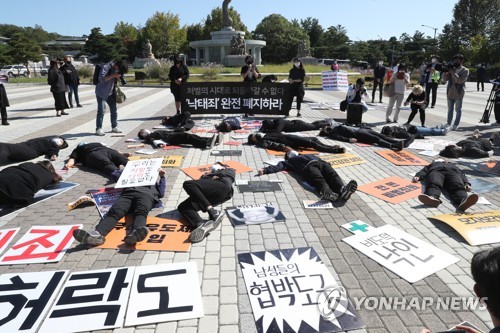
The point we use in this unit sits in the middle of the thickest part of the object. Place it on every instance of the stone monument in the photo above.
(147, 57)
(304, 54)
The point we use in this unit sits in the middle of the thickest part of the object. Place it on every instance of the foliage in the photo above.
(159, 71)
(104, 48)
(165, 34)
(86, 71)
(5, 58)
(128, 34)
(23, 50)
(210, 71)
(314, 30)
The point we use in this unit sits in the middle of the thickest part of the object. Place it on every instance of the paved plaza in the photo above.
(225, 300)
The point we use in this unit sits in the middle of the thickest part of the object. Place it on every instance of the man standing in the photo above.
(481, 73)
(72, 80)
(432, 78)
(456, 77)
(105, 92)
(378, 80)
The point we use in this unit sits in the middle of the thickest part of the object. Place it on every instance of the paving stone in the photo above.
(228, 314)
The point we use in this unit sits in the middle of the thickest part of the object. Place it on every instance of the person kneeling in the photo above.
(137, 201)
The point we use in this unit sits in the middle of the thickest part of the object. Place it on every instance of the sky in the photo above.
(363, 19)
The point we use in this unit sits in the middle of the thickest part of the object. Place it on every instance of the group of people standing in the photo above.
(63, 76)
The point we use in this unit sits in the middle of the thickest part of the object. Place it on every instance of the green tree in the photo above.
(282, 38)
(314, 30)
(5, 57)
(104, 48)
(336, 43)
(194, 32)
(24, 50)
(128, 34)
(165, 34)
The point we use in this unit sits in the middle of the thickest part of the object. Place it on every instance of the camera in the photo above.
(447, 65)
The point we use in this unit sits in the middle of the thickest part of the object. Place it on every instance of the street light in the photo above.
(435, 29)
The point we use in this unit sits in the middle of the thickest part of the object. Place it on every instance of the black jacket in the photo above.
(43, 146)
(177, 73)
(55, 79)
(4, 101)
(476, 148)
(181, 122)
(79, 153)
(437, 166)
(295, 164)
(343, 133)
(70, 74)
(227, 176)
(282, 125)
(379, 72)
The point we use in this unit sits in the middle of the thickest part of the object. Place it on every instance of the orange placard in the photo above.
(164, 235)
(197, 171)
(282, 153)
(392, 189)
(360, 144)
(401, 157)
(198, 130)
(490, 167)
(342, 160)
(232, 143)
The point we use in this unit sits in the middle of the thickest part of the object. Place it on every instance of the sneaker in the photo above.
(214, 214)
(432, 107)
(299, 115)
(212, 140)
(136, 236)
(116, 130)
(454, 127)
(468, 202)
(446, 130)
(348, 190)
(328, 194)
(429, 200)
(79, 106)
(198, 234)
(92, 237)
(99, 132)
(220, 137)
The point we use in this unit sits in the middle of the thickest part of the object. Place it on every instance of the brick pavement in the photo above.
(226, 304)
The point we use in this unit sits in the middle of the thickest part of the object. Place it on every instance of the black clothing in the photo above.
(18, 184)
(417, 107)
(283, 125)
(28, 150)
(431, 87)
(297, 88)
(174, 74)
(4, 102)
(70, 74)
(233, 122)
(205, 192)
(278, 141)
(181, 122)
(179, 138)
(363, 135)
(95, 155)
(481, 73)
(249, 78)
(475, 147)
(378, 81)
(55, 79)
(444, 175)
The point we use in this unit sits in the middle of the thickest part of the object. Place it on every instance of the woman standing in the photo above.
(400, 81)
(296, 78)
(418, 104)
(179, 73)
(57, 87)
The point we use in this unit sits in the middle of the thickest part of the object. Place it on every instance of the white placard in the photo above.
(40, 244)
(239, 136)
(481, 201)
(6, 236)
(91, 300)
(315, 204)
(168, 292)
(36, 290)
(421, 145)
(140, 173)
(357, 227)
(403, 254)
(275, 161)
(146, 151)
(431, 153)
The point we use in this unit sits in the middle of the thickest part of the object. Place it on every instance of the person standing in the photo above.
(335, 66)
(55, 79)
(249, 72)
(4, 103)
(296, 78)
(432, 78)
(378, 79)
(417, 103)
(72, 80)
(456, 76)
(400, 80)
(481, 74)
(178, 75)
(105, 92)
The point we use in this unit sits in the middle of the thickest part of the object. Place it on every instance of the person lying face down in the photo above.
(33, 148)
(180, 122)
(406, 131)
(279, 125)
(472, 147)
(172, 138)
(278, 141)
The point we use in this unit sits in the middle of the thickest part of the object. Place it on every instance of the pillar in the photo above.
(222, 54)
(197, 56)
(207, 55)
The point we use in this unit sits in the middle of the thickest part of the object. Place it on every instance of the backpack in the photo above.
(97, 70)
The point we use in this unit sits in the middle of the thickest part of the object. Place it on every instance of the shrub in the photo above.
(210, 71)
(86, 71)
(159, 70)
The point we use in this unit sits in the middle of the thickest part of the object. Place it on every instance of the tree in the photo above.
(194, 32)
(314, 30)
(335, 40)
(5, 57)
(282, 38)
(104, 48)
(128, 34)
(165, 34)
(24, 50)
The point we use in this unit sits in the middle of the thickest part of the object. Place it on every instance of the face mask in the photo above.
(58, 141)
(434, 60)
(291, 154)
(146, 132)
(249, 62)
(380, 63)
(82, 143)
(297, 64)
(217, 167)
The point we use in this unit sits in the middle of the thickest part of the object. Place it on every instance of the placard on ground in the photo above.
(401, 157)
(173, 161)
(197, 171)
(393, 189)
(226, 152)
(342, 160)
(475, 228)
(164, 235)
(259, 186)
(290, 288)
(282, 153)
(140, 173)
(255, 214)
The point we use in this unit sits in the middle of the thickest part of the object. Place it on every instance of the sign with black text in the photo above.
(255, 214)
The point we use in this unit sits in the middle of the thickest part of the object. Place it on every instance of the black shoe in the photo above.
(5, 122)
(178, 112)
(429, 200)
(348, 190)
(337, 150)
(92, 237)
(64, 113)
(432, 107)
(373, 101)
(328, 194)
(71, 106)
(220, 137)
(299, 115)
(136, 236)
(468, 202)
(198, 234)
(79, 106)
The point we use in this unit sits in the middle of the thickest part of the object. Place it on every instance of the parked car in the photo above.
(14, 70)
(44, 71)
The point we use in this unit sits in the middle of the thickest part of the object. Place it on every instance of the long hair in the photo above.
(451, 151)
(56, 178)
(301, 67)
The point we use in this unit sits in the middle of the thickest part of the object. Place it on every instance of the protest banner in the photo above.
(342, 160)
(401, 157)
(170, 161)
(393, 189)
(140, 173)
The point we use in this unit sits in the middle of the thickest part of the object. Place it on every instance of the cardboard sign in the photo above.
(91, 300)
(197, 171)
(401, 157)
(171, 147)
(421, 145)
(173, 161)
(282, 153)
(480, 185)
(259, 186)
(290, 291)
(241, 131)
(360, 144)
(403, 254)
(357, 227)
(84, 199)
(226, 152)
(255, 214)
(104, 198)
(146, 151)
(342, 160)
(490, 167)
(31, 295)
(40, 244)
(430, 153)
(321, 204)
(232, 143)
(168, 292)
(198, 130)
(164, 235)
(140, 173)
(393, 189)
(476, 228)
(6, 236)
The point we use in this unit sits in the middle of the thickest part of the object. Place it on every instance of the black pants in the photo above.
(202, 194)
(130, 202)
(3, 113)
(301, 126)
(187, 138)
(17, 152)
(480, 81)
(366, 135)
(106, 160)
(297, 90)
(431, 86)
(414, 109)
(321, 175)
(380, 84)
(299, 142)
(437, 180)
(496, 108)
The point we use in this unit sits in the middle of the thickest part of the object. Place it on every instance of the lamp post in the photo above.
(435, 29)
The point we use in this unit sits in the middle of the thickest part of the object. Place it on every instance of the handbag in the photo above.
(120, 95)
(389, 90)
(343, 105)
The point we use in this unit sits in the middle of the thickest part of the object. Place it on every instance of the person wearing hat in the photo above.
(28, 150)
(432, 78)
(456, 76)
(317, 173)
(213, 188)
(279, 125)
